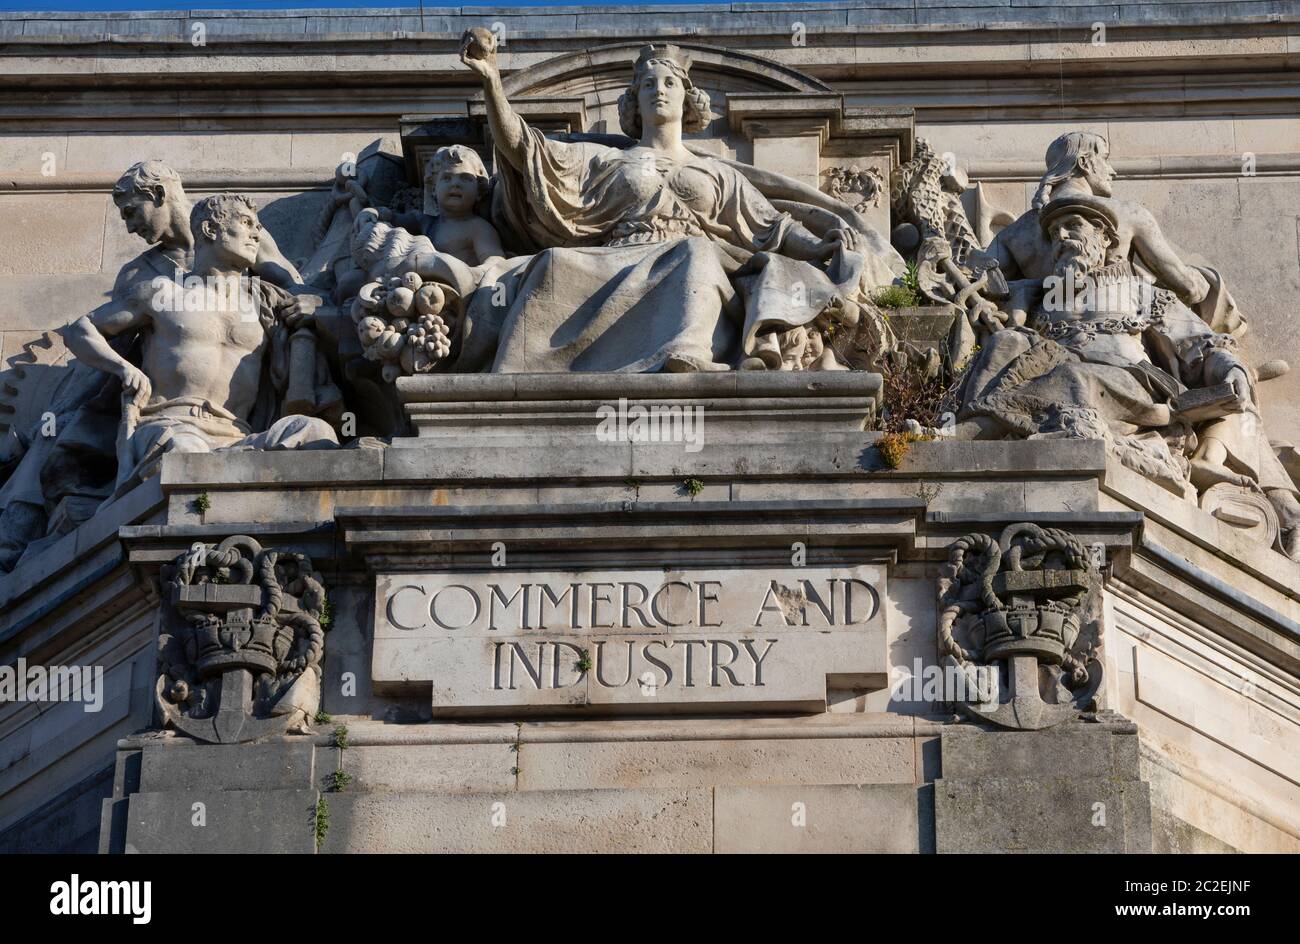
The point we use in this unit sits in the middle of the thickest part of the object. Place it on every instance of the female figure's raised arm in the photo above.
(478, 51)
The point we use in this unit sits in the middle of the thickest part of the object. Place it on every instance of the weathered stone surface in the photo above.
(606, 412)
(535, 821)
(1011, 814)
(48, 234)
(181, 767)
(1171, 835)
(684, 764)
(969, 753)
(435, 768)
(817, 818)
(243, 821)
(67, 823)
(1075, 788)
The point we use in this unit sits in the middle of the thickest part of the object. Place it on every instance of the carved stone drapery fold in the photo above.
(241, 645)
(1023, 601)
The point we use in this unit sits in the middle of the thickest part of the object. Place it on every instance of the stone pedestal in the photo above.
(1075, 788)
(683, 786)
(733, 407)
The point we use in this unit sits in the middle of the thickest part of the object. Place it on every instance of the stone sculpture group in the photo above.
(643, 252)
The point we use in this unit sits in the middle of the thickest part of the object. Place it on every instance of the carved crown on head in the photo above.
(664, 52)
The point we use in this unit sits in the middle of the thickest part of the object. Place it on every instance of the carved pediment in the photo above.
(593, 73)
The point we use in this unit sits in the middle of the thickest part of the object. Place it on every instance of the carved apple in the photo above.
(430, 299)
(400, 301)
(390, 343)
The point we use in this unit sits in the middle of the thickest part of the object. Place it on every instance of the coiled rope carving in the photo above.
(974, 561)
(963, 594)
(303, 625)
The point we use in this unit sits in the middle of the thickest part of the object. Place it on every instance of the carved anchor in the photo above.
(236, 656)
(1027, 619)
(261, 640)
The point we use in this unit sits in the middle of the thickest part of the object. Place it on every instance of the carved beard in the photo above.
(1078, 258)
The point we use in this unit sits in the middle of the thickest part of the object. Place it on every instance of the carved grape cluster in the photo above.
(401, 326)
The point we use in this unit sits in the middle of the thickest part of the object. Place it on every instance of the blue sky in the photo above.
(10, 6)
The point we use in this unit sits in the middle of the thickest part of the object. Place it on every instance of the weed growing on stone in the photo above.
(893, 447)
(905, 295)
(514, 747)
(895, 296)
(321, 821)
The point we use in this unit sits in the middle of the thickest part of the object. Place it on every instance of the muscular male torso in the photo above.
(213, 352)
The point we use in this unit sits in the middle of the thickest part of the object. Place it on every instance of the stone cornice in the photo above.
(77, 82)
(162, 48)
(576, 20)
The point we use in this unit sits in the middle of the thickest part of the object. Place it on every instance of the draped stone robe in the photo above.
(646, 263)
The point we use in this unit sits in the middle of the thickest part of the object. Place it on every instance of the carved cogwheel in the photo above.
(28, 379)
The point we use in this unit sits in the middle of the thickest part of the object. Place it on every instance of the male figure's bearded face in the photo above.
(1078, 248)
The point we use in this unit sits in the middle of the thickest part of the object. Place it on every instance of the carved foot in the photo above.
(1204, 474)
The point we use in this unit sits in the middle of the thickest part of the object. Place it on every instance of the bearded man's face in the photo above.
(1078, 248)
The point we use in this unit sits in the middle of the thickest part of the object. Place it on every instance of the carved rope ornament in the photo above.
(1020, 600)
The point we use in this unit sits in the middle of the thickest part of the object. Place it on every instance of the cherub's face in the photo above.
(660, 95)
(456, 190)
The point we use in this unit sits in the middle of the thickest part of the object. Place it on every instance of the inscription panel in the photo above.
(641, 639)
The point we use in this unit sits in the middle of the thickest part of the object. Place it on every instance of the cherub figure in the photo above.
(455, 180)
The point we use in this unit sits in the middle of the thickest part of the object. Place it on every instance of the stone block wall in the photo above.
(1185, 92)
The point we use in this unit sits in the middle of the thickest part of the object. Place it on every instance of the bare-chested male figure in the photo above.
(204, 346)
(47, 468)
